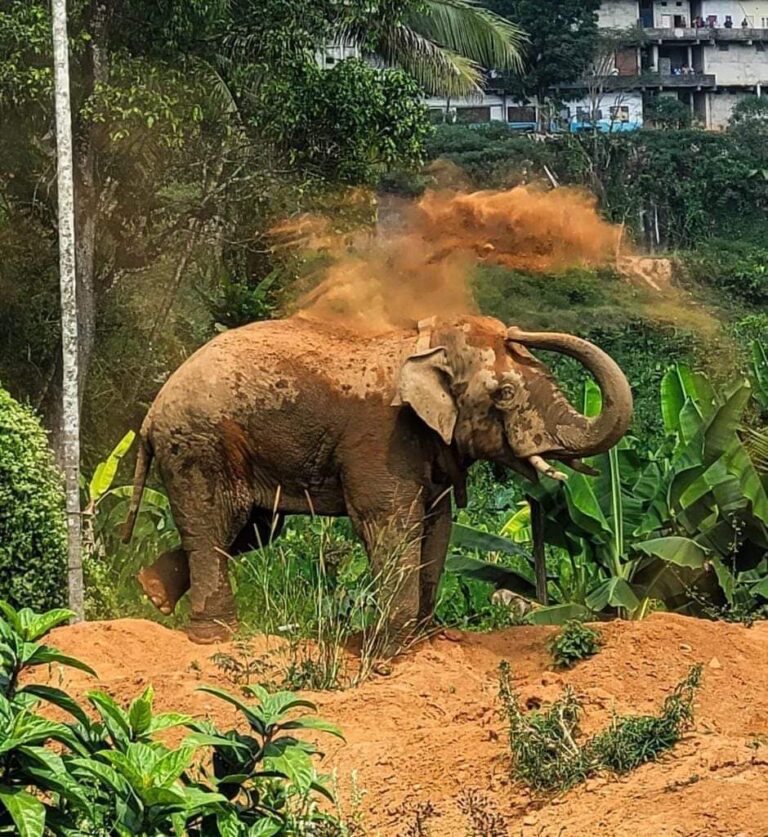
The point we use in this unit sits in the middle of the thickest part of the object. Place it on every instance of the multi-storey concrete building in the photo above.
(707, 53)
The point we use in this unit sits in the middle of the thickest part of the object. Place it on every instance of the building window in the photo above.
(620, 113)
(585, 114)
(471, 116)
(521, 114)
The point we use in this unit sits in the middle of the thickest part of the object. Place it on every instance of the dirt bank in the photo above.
(431, 728)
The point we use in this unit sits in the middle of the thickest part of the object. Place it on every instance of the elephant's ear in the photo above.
(425, 386)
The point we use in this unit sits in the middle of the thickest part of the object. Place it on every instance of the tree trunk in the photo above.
(93, 70)
(69, 312)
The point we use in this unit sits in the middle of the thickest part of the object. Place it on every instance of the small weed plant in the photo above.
(112, 776)
(483, 821)
(548, 756)
(574, 642)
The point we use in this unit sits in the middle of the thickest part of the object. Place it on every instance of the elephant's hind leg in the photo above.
(166, 581)
(210, 507)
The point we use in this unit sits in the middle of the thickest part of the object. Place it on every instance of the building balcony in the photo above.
(692, 80)
(705, 35)
(648, 78)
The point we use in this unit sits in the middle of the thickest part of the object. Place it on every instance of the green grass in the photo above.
(549, 756)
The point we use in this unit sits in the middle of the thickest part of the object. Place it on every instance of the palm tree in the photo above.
(445, 44)
(68, 284)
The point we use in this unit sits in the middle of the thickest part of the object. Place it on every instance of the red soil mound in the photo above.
(432, 727)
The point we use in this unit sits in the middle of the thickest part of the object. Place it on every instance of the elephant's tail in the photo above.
(143, 461)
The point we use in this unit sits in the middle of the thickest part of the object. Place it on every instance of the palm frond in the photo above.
(221, 99)
(468, 29)
(756, 442)
(440, 71)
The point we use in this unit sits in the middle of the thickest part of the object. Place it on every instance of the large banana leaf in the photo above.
(725, 422)
(682, 389)
(469, 538)
(559, 614)
(615, 592)
(675, 550)
(584, 506)
(760, 373)
(502, 577)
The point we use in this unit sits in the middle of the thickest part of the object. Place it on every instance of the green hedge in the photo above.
(33, 540)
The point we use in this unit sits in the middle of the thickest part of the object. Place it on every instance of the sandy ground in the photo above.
(430, 731)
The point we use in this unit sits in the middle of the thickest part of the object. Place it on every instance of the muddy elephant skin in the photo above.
(297, 416)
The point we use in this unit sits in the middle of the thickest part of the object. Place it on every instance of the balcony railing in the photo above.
(705, 34)
(649, 78)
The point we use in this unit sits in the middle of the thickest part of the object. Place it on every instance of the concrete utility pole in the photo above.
(68, 284)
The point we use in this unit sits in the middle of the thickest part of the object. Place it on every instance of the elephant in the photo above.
(302, 416)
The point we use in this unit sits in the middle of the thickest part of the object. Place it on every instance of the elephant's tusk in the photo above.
(545, 468)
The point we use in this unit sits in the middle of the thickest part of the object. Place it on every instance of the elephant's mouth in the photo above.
(534, 466)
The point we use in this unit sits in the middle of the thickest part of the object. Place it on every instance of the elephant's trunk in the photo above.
(589, 436)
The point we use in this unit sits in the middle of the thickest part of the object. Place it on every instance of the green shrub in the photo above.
(575, 641)
(548, 756)
(737, 267)
(33, 547)
(112, 775)
(632, 740)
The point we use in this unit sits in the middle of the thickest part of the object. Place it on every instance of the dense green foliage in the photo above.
(548, 755)
(692, 183)
(194, 132)
(33, 551)
(684, 526)
(563, 35)
(113, 775)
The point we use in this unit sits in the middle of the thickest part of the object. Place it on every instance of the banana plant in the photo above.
(759, 374)
(101, 518)
(685, 509)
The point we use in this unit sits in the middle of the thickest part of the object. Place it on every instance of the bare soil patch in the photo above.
(432, 729)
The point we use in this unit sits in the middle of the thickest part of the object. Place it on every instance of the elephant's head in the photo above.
(476, 384)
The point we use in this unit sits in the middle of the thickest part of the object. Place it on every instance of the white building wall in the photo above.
(633, 101)
(664, 13)
(721, 105)
(618, 14)
(740, 64)
(756, 11)
(493, 101)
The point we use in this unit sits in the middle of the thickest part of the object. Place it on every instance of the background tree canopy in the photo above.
(563, 35)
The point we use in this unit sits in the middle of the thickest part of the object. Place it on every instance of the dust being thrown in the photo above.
(420, 264)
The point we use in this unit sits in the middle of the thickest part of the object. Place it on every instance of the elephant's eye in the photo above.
(506, 392)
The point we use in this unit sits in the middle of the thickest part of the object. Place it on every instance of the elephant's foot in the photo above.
(166, 581)
(209, 631)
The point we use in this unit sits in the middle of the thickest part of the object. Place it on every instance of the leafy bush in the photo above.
(33, 547)
(575, 641)
(669, 112)
(734, 266)
(112, 776)
(548, 757)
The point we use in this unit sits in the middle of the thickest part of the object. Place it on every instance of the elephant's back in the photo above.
(277, 364)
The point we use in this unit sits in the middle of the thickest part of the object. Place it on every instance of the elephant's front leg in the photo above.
(437, 536)
(393, 542)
